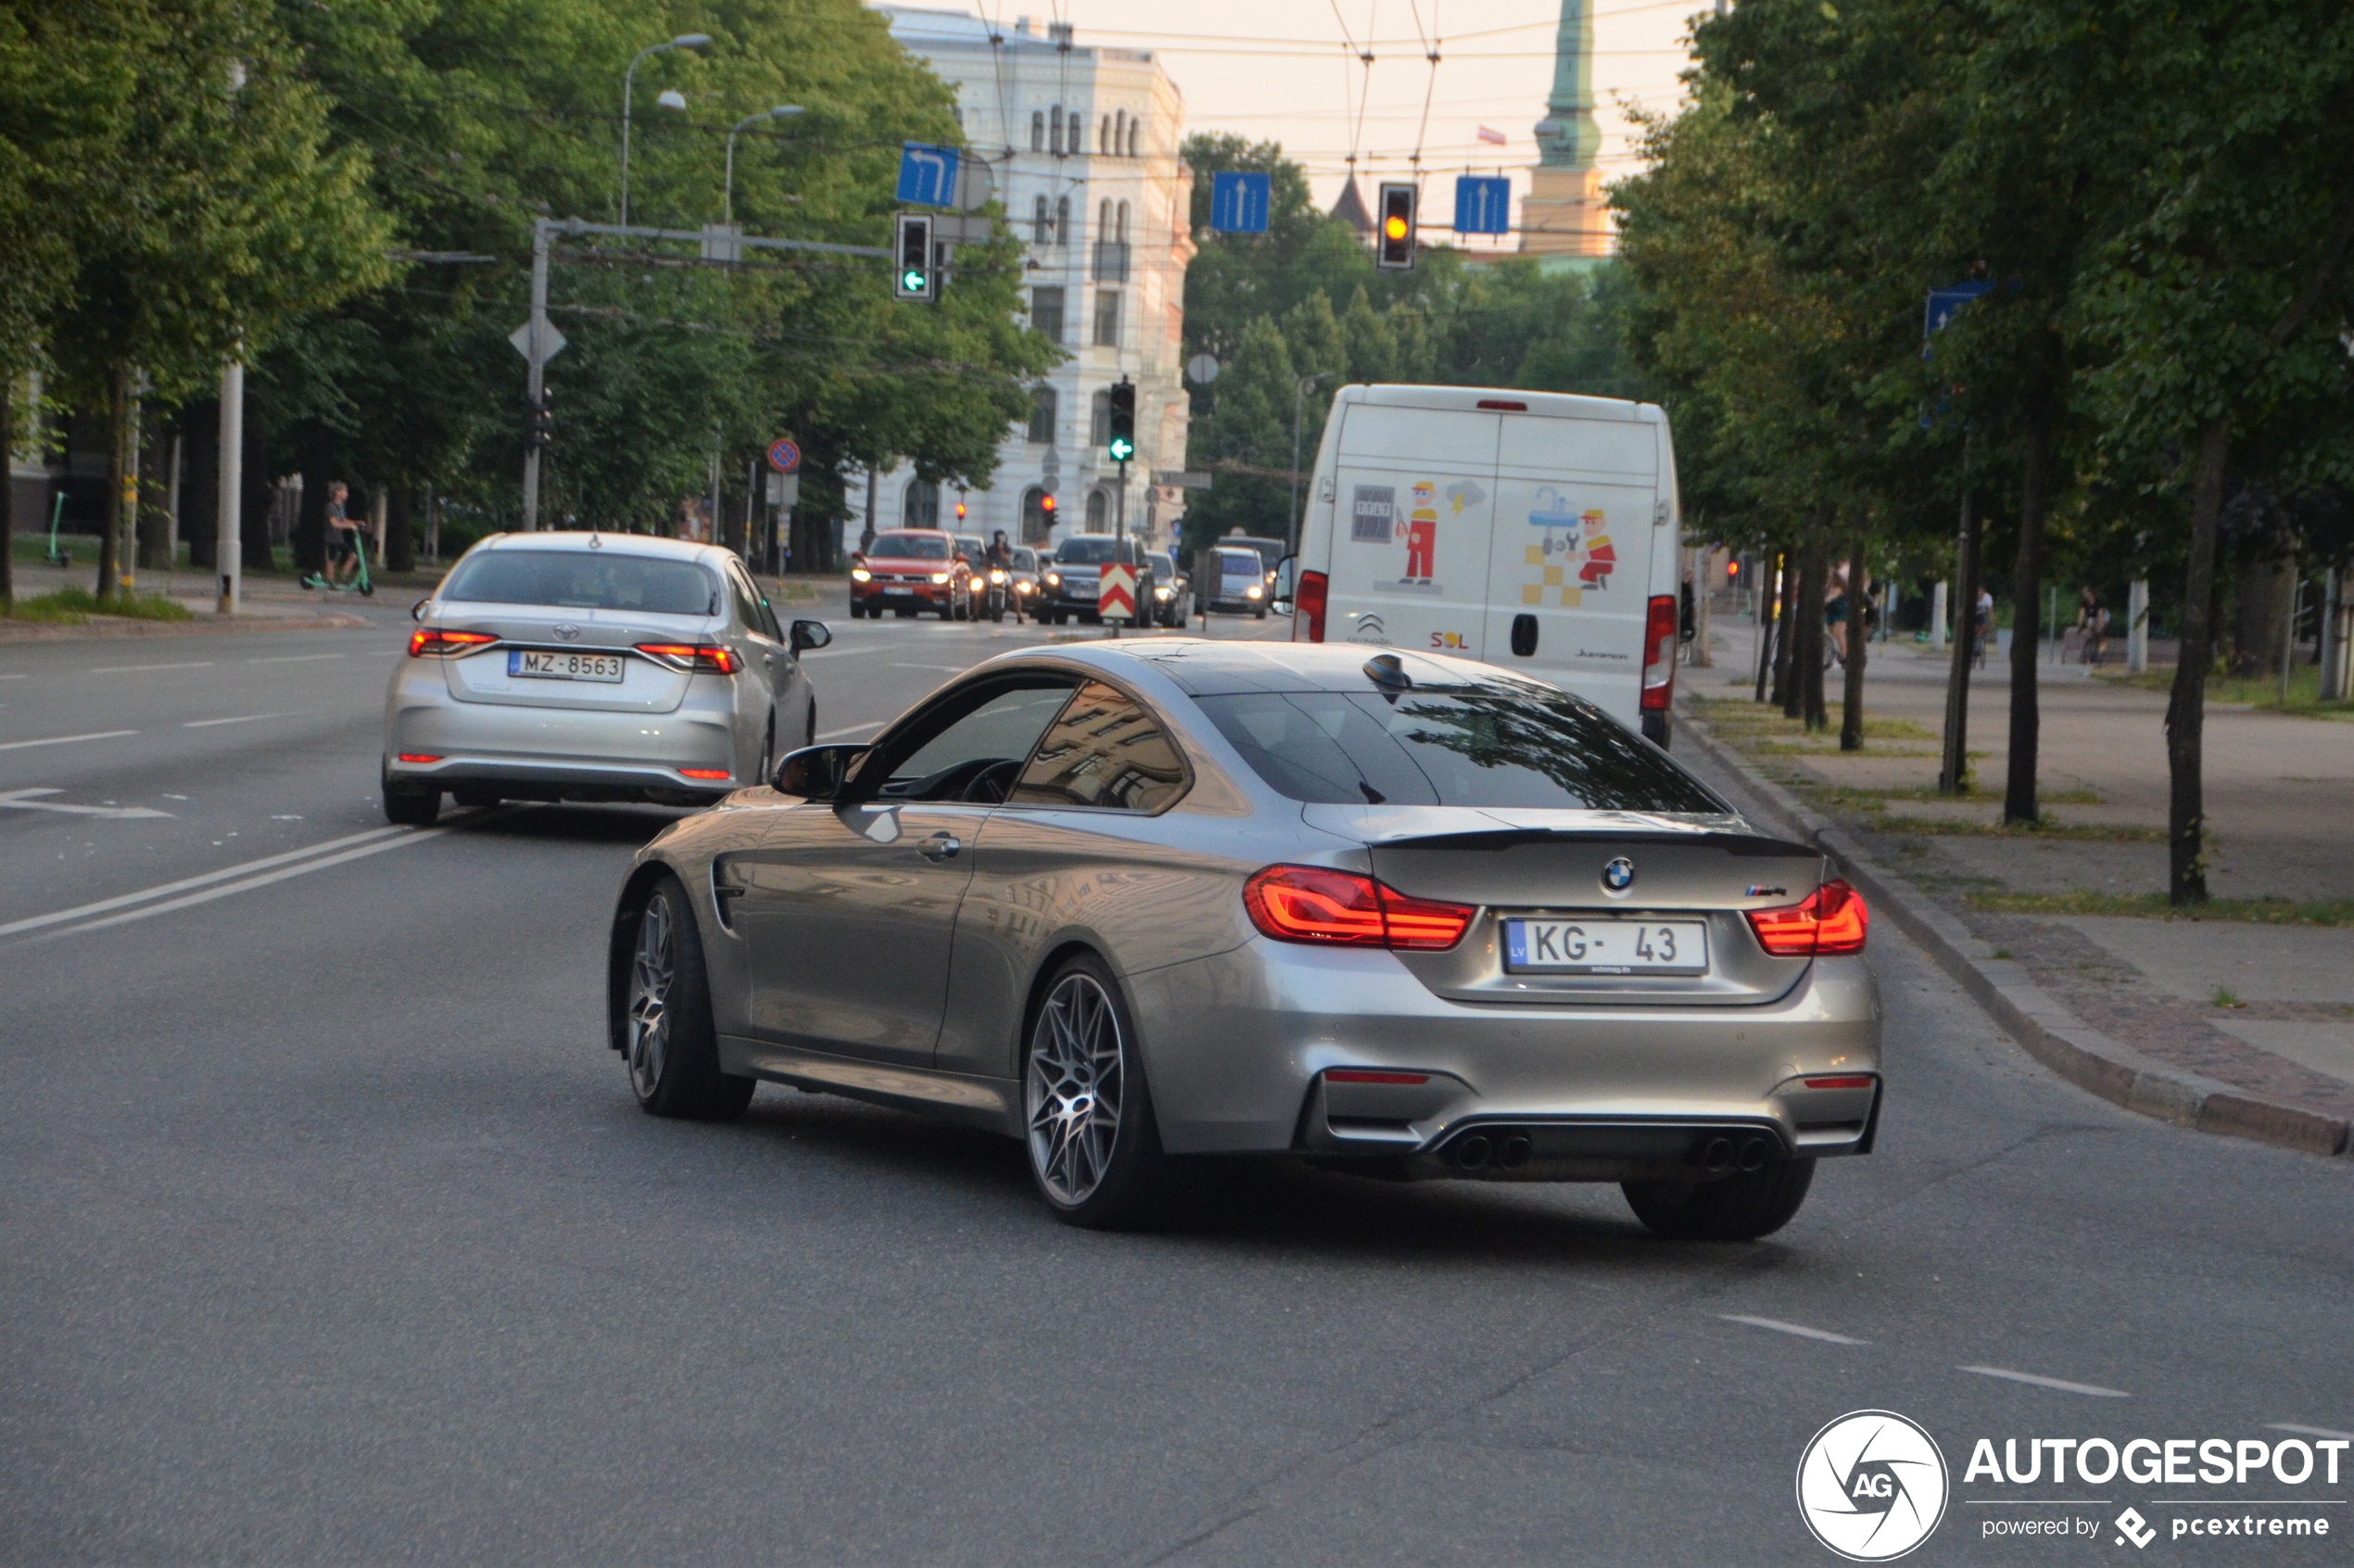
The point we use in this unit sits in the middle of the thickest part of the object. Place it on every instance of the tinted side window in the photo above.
(1105, 751)
(945, 753)
(753, 608)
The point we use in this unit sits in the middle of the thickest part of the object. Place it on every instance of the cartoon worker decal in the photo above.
(1575, 555)
(1421, 534)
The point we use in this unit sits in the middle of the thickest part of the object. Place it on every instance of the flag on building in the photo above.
(1496, 137)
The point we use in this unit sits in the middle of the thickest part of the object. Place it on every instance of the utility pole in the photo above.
(228, 550)
(1298, 409)
(536, 352)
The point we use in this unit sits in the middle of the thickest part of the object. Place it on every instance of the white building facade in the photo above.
(1083, 146)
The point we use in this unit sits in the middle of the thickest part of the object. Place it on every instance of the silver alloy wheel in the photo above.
(1076, 1079)
(651, 973)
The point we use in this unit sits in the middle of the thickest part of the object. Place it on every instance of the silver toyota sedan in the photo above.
(593, 667)
(1411, 916)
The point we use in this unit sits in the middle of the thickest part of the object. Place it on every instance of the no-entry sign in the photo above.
(1116, 592)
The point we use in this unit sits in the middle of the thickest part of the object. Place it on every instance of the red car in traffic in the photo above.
(908, 572)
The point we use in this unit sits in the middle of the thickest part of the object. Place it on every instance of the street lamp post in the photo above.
(1298, 409)
(781, 112)
(684, 41)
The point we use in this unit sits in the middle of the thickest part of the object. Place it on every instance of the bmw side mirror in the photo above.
(417, 610)
(807, 635)
(816, 773)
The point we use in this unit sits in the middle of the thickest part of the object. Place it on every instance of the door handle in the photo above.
(940, 847)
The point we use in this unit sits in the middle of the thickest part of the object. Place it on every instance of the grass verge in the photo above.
(2260, 692)
(74, 606)
(2044, 828)
(2256, 911)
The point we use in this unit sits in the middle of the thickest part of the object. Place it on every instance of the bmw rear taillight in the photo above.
(425, 642)
(1832, 923)
(1659, 637)
(1308, 607)
(1340, 909)
(695, 658)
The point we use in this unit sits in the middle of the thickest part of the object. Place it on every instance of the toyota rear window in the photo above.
(583, 579)
(1518, 751)
(909, 546)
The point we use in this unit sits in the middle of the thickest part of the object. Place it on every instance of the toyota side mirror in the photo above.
(816, 773)
(807, 635)
(417, 610)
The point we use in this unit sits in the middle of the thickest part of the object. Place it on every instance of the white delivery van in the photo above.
(1534, 530)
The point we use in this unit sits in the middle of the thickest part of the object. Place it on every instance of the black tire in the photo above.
(410, 805)
(669, 1047)
(857, 611)
(1108, 1176)
(1741, 1206)
(476, 800)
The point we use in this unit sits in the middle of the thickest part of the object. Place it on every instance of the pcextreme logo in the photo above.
(1872, 1485)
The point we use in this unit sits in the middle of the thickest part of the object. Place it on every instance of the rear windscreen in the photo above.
(1090, 549)
(1464, 748)
(909, 546)
(581, 579)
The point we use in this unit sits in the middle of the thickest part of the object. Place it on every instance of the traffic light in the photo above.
(538, 423)
(960, 511)
(913, 277)
(1394, 244)
(1123, 443)
(1046, 505)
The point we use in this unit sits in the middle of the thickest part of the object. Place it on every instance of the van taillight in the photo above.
(1659, 653)
(1308, 607)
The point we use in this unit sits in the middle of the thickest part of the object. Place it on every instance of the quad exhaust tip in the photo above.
(1477, 1153)
(1722, 1156)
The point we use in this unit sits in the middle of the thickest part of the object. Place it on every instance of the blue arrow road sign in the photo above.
(1238, 203)
(1944, 302)
(928, 175)
(1482, 205)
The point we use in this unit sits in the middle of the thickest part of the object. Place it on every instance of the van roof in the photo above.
(1473, 399)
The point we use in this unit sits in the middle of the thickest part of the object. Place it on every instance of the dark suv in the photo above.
(1068, 580)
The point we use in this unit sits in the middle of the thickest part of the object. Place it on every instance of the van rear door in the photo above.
(1571, 560)
(1412, 511)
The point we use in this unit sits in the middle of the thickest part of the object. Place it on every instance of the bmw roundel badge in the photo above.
(1618, 876)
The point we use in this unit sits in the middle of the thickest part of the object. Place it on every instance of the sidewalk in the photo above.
(2064, 929)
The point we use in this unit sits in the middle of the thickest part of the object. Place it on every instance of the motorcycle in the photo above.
(999, 595)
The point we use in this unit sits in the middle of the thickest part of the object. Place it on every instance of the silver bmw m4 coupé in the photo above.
(1407, 914)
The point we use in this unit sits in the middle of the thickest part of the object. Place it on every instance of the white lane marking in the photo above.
(408, 835)
(67, 739)
(21, 800)
(1826, 1336)
(129, 669)
(168, 889)
(16, 678)
(245, 718)
(2059, 1383)
(853, 729)
(2307, 1431)
(293, 658)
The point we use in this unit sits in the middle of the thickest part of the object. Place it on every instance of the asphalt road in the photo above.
(329, 1232)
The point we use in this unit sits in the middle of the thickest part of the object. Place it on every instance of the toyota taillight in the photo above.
(1660, 639)
(695, 658)
(425, 642)
(1308, 607)
(1341, 909)
(1830, 924)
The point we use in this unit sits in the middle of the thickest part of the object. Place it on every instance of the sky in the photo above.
(1280, 70)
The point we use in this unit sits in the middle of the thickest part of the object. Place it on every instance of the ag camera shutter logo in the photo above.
(1872, 1485)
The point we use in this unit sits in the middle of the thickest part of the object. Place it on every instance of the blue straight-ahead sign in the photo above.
(927, 175)
(1482, 205)
(1944, 302)
(1238, 203)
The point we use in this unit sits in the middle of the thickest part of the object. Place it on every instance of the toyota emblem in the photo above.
(1618, 876)
(568, 632)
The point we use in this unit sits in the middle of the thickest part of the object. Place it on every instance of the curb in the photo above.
(2049, 1032)
(13, 633)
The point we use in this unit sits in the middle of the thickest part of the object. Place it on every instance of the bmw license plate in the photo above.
(546, 663)
(1606, 947)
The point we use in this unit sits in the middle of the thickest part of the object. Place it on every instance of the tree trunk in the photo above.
(253, 516)
(2261, 626)
(400, 544)
(2186, 708)
(874, 483)
(309, 533)
(1952, 774)
(1813, 649)
(200, 487)
(1859, 602)
(7, 492)
(2027, 594)
(117, 549)
(1769, 601)
(1788, 690)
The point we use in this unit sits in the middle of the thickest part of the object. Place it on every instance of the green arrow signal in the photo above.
(912, 281)
(1122, 448)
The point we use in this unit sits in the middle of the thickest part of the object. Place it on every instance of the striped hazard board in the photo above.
(1116, 592)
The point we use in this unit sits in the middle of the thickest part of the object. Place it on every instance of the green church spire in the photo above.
(1568, 136)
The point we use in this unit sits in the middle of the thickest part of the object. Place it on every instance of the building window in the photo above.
(1037, 130)
(1035, 516)
(1055, 130)
(1133, 128)
(1118, 131)
(1042, 415)
(1120, 224)
(1107, 318)
(1103, 219)
(1062, 219)
(1046, 313)
(1099, 419)
(1042, 223)
(921, 508)
(1104, 143)
(1098, 512)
